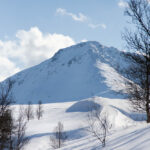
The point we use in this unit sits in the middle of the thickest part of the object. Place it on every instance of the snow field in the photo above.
(126, 131)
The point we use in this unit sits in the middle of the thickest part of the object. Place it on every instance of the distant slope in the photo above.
(73, 73)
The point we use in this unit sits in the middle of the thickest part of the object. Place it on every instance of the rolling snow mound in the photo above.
(117, 117)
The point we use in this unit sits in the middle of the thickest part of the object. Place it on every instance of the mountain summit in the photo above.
(77, 72)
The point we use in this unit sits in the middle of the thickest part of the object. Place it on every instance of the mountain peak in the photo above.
(73, 73)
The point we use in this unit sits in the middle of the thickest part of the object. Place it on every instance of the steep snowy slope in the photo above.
(73, 73)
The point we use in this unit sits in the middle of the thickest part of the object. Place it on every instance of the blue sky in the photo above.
(30, 30)
(24, 14)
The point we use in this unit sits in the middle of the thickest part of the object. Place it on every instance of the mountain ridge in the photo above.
(73, 73)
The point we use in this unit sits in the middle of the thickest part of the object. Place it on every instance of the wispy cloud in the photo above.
(122, 4)
(94, 26)
(77, 17)
(80, 17)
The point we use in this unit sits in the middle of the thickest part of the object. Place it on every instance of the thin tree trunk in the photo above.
(148, 95)
(59, 139)
(148, 112)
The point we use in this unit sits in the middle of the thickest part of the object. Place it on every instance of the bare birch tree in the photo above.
(59, 137)
(12, 132)
(39, 111)
(138, 41)
(98, 125)
(29, 111)
(20, 139)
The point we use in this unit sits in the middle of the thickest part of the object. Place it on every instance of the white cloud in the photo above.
(148, 1)
(94, 26)
(7, 68)
(80, 17)
(84, 40)
(30, 48)
(122, 4)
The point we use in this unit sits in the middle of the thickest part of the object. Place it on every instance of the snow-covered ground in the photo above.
(128, 131)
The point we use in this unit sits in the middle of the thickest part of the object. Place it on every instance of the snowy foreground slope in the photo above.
(73, 73)
(127, 132)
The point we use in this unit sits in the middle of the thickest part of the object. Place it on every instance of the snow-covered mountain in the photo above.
(84, 72)
(77, 72)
